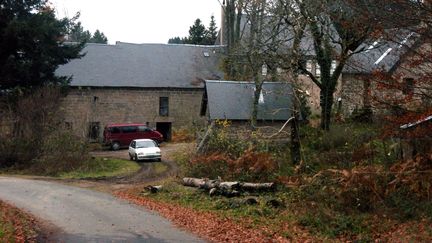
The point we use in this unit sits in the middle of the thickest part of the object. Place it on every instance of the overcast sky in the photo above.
(140, 21)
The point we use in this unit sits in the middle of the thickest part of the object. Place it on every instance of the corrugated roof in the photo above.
(233, 100)
(144, 65)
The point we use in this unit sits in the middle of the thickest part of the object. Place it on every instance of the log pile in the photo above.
(227, 188)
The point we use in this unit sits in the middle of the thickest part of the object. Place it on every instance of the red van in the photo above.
(120, 135)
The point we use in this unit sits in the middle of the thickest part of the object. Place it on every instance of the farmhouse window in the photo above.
(163, 106)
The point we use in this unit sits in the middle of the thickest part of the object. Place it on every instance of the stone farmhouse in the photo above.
(393, 58)
(164, 85)
(354, 88)
(156, 84)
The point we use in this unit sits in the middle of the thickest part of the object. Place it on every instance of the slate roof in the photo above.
(363, 62)
(145, 66)
(233, 100)
(381, 55)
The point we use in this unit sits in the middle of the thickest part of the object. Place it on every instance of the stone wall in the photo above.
(313, 93)
(82, 106)
(353, 92)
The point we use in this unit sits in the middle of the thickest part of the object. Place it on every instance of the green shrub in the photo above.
(17, 152)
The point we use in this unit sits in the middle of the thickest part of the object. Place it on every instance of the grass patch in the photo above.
(102, 167)
(159, 168)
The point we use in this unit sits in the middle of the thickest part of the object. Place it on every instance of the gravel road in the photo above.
(89, 216)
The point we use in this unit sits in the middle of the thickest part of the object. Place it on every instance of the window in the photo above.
(143, 129)
(309, 65)
(93, 131)
(264, 70)
(163, 106)
(333, 66)
(129, 129)
(114, 130)
(317, 70)
(408, 86)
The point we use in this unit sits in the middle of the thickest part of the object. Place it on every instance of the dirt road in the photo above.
(89, 216)
(146, 173)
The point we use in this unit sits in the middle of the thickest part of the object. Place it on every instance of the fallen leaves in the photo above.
(16, 225)
(205, 224)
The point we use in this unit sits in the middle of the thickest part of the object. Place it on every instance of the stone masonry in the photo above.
(85, 105)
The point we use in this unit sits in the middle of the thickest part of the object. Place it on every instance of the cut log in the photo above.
(227, 187)
(153, 189)
(213, 192)
(275, 203)
(246, 186)
(193, 182)
(230, 185)
(201, 183)
(250, 201)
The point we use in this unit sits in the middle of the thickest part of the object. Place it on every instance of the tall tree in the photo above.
(78, 34)
(31, 48)
(196, 33)
(31, 45)
(337, 32)
(98, 37)
(211, 32)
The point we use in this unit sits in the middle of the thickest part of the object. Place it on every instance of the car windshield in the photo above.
(145, 144)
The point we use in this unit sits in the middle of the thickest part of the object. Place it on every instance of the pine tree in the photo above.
(177, 40)
(78, 34)
(31, 46)
(196, 33)
(211, 32)
(98, 37)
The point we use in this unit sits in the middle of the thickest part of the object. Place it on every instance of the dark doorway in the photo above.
(165, 129)
(93, 131)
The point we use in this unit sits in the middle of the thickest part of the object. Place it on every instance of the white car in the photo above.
(144, 149)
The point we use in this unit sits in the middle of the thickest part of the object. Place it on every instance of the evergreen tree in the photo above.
(211, 32)
(78, 34)
(196, 33)
(177, 40)
(31, 45)
(98, 37)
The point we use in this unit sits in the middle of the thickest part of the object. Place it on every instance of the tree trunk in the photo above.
(326, 103)
(295, 142)
(295, 137)
(257, 93)
(206, 137)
